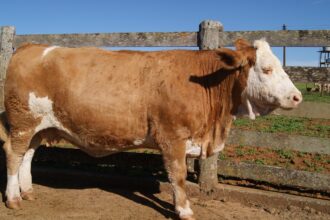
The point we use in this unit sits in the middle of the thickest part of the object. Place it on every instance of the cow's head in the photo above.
(268, 85)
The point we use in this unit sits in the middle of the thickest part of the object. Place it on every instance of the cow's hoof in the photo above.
(14, 204)
(28, 196)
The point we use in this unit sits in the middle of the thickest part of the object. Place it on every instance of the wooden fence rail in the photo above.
(209, 36)
(142, 39)
(305, 38)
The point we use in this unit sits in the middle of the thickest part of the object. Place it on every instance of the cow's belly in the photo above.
(110, 135)
(95, 145)
(102, 146)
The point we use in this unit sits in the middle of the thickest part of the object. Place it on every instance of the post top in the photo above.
(211, 24)
(8, 27)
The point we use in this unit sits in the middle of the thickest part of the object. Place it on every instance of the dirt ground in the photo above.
(74, 199)
(290, 159)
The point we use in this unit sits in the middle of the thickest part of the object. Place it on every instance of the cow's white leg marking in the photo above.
(219, 148)
(12, 191)
(48, 50)
(193, 149)
(24, 174)
(43, 107)
(185, 212)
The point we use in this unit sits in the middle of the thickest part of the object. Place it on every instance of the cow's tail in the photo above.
(3, 129)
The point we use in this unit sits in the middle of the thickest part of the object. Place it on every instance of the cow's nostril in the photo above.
(296, 98)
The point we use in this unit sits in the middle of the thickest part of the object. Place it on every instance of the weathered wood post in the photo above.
(208, 40)
(7, 34)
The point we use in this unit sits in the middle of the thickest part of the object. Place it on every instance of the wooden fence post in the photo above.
(208, 40)
(7, 34)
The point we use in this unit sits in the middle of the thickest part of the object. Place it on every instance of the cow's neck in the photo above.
(221, 102)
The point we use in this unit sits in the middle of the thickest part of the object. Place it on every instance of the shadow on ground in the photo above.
(141, 190)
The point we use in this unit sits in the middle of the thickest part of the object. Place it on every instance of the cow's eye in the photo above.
(267, 70)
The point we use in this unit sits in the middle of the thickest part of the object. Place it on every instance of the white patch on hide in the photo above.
(12, 190)
(138, 142)
(43, 108)
(193, 149)
(24, 173)
(48, 50)
(185, 211)
(21, 133)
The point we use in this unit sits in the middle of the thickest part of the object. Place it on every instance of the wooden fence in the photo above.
(210, 36)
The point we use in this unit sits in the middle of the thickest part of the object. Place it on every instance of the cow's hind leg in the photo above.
(15, 147)
(175, 164)
(24, 173)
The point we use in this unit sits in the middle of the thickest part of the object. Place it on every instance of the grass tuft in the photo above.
(286, 124)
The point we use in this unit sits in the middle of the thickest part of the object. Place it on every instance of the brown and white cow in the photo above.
(180, 102)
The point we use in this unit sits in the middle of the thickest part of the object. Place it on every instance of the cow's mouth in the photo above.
(253, 109)
(264, 108)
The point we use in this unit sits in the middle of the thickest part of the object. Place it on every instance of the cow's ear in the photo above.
(232, 59)
(242, 44)
(247, 50)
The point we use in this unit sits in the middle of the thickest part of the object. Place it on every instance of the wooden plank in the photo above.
(289, 38)
(308, 74)
(142, 39)
(275, 175)
(7, 34)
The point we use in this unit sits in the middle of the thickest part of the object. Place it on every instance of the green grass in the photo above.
(285, 154)
(251, 151)
(312, 96)
(239, 152)
(222, 156)
(260, 161)
(285, 124)
(301, 154)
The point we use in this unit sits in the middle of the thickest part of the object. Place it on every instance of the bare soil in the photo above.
(290, 159)
(75, 199)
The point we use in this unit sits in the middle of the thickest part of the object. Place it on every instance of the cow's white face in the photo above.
(268, 85)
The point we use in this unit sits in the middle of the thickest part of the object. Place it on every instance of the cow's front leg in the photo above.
(175, 164)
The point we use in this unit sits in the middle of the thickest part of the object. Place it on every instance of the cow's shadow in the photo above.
(119, 185)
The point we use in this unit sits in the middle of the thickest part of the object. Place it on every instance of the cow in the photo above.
(321, 87)
(181, 102)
